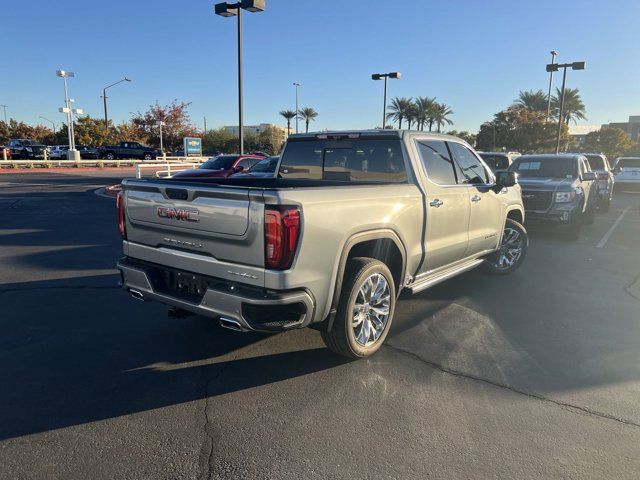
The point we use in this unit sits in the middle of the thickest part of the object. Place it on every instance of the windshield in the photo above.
(268, 165)
(223, 162)
(495, 162)
(596, 162)
(547, 167)
(629, 163)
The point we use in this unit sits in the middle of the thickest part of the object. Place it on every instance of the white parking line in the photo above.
(604, 240)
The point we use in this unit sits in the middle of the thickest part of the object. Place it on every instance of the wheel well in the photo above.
(515, 215)
(385, 250)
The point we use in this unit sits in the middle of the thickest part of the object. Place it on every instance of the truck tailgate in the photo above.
(196, 227)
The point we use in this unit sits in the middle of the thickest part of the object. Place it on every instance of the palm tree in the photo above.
(307, 114)
(288, 115)
(534, 101)
(399, 109)
(573, 108)
(440, 113)
(412, 115)
(424, 110)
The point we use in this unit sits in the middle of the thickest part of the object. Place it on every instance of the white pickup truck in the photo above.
(351, 219)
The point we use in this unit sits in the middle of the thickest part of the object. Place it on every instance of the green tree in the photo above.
(534, 101)
(92, 131)
(219, 141)
(288, 115)
(573, 108)
(307, 114)
(440, 115)
(519, 129)
(613, 142)
(399, 109)
(468, 137)
(424, 111)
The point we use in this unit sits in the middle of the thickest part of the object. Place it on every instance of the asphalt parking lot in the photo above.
(536, 375)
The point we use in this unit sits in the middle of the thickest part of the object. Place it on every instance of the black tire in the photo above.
(342, 338)
(493, 265)
(589, 216)
(148, 156)
(110, 156)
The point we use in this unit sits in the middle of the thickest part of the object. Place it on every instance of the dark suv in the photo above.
(558, 189)
(26, 149)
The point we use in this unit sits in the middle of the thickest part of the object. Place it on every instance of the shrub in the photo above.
(47, 164)
(100, 164)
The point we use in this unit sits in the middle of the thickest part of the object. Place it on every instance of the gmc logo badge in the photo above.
(184, 214)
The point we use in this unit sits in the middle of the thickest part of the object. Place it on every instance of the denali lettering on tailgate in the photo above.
(185, 214)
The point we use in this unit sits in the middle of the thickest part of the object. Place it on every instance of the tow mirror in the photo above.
(506, 178)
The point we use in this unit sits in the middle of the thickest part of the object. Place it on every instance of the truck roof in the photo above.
(370, 133)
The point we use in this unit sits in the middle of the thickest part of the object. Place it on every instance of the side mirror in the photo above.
(506, 178)
(589, 176)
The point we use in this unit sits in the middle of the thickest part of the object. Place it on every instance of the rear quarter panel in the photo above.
(333, 215)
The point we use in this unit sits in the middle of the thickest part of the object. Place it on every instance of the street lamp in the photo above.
(553, 59)
(72, 154)
(380, 76)
(104, 98)
(553, 67)
(227, 9)
(160, 124)
(53, 124)
(297, 85)
(5, 112)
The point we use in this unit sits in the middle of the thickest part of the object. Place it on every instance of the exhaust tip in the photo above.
(231, 324)
(136, 294)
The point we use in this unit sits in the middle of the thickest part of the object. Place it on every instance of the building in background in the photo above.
(577, 134)
(632, 127)
(257, 129)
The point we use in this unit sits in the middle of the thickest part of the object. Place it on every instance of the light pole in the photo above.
(104, 98)
(380, 76)
(297, 85)
(72, 154)
(160, 124)
(227, 9)
(5, 112)
(53, 124)
(553, 60)
(553, 67)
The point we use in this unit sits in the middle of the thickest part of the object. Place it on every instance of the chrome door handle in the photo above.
(436, 203)
(476, 198)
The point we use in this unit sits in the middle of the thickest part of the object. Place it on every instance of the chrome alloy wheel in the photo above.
(510, 249)
(370, 312)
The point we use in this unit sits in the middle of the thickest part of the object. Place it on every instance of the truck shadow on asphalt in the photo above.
(80, 351)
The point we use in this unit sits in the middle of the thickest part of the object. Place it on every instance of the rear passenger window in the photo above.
(473, 172)
(437, 161)
(365, 160)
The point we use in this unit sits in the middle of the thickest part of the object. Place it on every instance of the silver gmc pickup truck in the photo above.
(352, 219)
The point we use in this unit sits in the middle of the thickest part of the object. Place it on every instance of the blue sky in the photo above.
(473, 55)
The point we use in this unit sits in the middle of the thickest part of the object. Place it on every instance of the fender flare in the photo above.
(353, 240)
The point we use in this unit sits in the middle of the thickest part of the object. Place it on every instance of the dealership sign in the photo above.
(192, 147)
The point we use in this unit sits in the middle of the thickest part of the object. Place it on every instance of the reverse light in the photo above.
(281, 234)
(564, 197)
(120, 207)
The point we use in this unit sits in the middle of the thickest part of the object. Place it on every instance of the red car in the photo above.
(221, 166)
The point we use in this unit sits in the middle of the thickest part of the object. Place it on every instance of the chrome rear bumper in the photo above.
(230, 300)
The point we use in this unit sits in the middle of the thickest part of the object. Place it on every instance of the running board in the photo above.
(442, 276)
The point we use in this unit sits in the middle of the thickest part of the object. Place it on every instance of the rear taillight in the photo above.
(281, 234)
(120, 206)
(603, 176)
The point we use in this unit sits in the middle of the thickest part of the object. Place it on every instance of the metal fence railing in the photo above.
(48, 162)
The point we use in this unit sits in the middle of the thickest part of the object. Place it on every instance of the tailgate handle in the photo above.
(177, 193)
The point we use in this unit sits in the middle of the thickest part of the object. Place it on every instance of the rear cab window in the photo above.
(348, 160)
